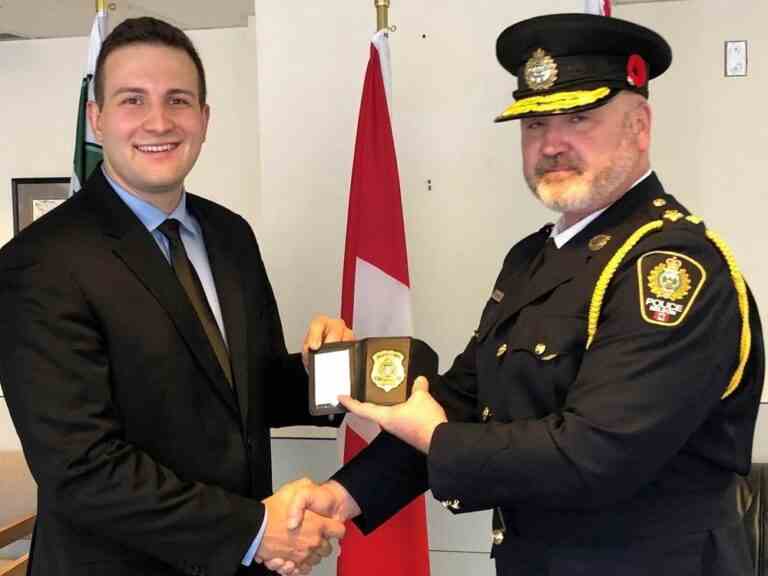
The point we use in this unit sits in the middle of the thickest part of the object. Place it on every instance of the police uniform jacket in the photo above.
(615, 457)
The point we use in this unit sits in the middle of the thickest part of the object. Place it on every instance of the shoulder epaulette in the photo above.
(676, 217)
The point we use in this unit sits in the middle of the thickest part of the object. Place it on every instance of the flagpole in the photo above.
(382, 14)
(87, 150)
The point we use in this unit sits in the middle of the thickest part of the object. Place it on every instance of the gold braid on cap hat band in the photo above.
(555, 102)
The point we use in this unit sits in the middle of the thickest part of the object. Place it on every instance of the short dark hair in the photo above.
(146, 30)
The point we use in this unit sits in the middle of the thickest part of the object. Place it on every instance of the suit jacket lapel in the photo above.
(229, 285)
(134, 245)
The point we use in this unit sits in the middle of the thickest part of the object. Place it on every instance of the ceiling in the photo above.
(20, 19)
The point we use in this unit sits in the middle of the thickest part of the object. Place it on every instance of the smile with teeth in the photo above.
(156, 148)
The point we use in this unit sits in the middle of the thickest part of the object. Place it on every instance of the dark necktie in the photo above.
(547, 253)
(189, 280)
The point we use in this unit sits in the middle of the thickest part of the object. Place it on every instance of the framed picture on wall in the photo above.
(35, 197)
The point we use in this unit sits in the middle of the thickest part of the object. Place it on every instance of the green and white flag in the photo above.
(87, 150)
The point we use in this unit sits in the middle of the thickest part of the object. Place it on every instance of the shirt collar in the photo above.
(561, 237)
(151, 216)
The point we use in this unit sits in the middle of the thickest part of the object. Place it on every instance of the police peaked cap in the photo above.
(565, 63)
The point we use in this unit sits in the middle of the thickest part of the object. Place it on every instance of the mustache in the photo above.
(555, 163)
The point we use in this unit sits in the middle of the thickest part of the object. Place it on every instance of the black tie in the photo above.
(547, 252)
(189, 280)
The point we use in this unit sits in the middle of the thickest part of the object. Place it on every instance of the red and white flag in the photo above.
(602, 7)
(375, 301)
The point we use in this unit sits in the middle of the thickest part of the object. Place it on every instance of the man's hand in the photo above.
(330, 500)
(324, 330)
(300, 545)
(413, 421)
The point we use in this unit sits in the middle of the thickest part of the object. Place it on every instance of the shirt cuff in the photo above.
(248, 558)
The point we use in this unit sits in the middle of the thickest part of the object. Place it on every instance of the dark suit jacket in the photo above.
(146, 461)
(617, 459)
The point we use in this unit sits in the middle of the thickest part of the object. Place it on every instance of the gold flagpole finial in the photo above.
(101, 5)
(382, 14)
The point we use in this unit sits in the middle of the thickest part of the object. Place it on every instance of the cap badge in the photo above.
(637, 71)
(540, 71)
(388, 372)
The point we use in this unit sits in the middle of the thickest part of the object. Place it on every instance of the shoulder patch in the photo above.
(668, 283)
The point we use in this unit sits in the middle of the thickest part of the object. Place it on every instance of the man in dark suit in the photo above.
(142, 354)
(607, 400)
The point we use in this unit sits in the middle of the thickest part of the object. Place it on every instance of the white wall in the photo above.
(285, 94)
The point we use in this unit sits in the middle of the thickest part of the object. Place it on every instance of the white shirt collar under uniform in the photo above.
(562, 237)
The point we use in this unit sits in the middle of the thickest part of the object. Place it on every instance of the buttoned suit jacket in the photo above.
(146, 461)
(617, 459)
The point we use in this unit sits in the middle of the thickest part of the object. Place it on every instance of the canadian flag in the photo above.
(602, 7)
(376, 301)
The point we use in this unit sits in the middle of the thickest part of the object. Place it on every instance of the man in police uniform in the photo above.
(607, 401)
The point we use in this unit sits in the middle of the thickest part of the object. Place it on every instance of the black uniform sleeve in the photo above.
(389, 473)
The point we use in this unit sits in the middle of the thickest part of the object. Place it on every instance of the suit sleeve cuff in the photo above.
(248, 558)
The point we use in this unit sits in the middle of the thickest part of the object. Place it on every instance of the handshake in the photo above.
(302, 518)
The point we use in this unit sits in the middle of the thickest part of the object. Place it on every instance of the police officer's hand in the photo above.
(413, 422)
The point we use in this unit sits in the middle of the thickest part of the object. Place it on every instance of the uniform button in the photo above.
(659, 202)
(486, 414)
(540, 349)
(497, 536)
(501, 351)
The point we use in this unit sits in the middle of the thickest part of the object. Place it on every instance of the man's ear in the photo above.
(640, 124)
(206, 111)
(94, 119)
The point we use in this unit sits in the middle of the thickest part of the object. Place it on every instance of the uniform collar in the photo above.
(561, 237)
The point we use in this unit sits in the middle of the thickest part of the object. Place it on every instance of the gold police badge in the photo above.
(388, 371)
(540, 71)
(669, 283)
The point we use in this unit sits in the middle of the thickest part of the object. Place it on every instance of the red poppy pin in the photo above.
(637, 71)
